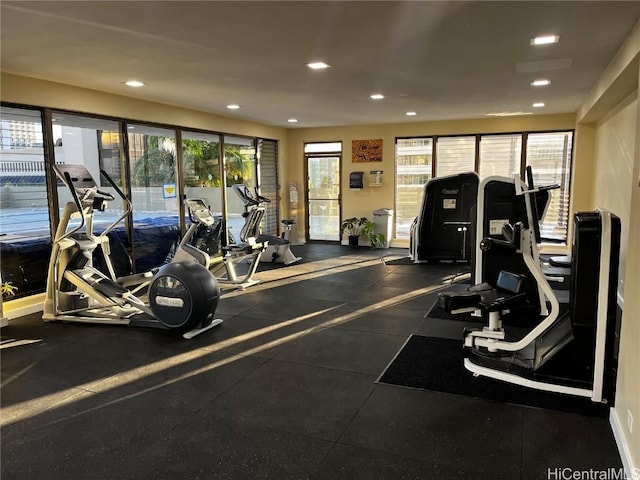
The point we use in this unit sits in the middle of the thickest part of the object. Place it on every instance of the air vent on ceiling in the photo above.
(543, 65)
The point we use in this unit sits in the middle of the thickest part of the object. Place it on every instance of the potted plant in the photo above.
(376, 240)
(353, 226)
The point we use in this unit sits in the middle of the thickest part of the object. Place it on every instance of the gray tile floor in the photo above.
(285, 388)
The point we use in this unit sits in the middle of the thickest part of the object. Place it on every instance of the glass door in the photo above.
(323, 198)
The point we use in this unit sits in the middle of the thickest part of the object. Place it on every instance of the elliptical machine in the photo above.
(181, 296)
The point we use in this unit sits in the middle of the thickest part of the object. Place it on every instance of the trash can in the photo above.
(383, 219)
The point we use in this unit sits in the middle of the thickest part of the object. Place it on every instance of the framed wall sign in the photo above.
(366, 150)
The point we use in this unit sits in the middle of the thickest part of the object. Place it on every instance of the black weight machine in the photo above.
(443, 230)
(181, 296)
(570, 352)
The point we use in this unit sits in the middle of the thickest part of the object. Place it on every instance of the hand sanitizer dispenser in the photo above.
(377, 182)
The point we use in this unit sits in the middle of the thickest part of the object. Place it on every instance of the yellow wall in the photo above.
(364, 202)
(629, 369)
(610, 116)
(615, 147)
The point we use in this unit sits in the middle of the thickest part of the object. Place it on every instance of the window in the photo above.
(268, 175)
(154, 194)
(413, 170)
(500, 155)
(92, 142)
(22, 174)
(549, 155)
(25, 243)
(201, 168)
(323, 147)
(240, 168)
(240, 161)
(455, 155)
(146, 172)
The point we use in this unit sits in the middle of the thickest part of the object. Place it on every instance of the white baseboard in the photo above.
(623, 447)
(23, 306)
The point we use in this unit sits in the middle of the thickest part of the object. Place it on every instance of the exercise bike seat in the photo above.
(272, 240)
(288, 222)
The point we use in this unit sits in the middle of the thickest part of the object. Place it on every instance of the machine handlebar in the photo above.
(509, 246)
(495, 245)
(128, 206)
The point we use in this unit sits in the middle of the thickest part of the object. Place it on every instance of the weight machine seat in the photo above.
(481, 287)
(452, 301)
(509, 292)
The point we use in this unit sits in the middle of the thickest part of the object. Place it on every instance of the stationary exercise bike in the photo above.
(279, 248)
(181, 296)
(225, 261)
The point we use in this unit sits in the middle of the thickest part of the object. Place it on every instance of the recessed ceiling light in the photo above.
(134, 83)
(541, 83)
(318, 65)
(131, 127)
(545, 40)
(538, 105)
(377, 96)
(293, 120)
(411, 114)
(233, 106)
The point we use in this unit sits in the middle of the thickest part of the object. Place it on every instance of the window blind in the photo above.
(455, 155)
(500, 155)
(549, 155)
(413, 171)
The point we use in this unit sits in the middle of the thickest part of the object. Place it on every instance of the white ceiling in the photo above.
(444, 60)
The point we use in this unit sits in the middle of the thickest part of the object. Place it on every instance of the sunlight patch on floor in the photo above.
(24, 410)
